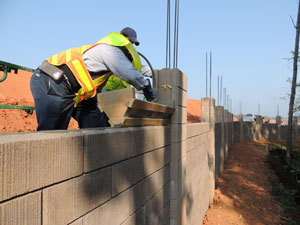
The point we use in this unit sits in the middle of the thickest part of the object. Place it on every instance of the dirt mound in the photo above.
(15, 90)
(193, 111)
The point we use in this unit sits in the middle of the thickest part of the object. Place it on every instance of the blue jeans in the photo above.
(54, 105)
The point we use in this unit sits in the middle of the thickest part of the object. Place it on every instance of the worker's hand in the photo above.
(148, 91)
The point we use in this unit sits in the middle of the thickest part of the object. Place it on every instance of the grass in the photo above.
(287, 198)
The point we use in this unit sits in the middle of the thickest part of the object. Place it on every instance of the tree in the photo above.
(293, 89)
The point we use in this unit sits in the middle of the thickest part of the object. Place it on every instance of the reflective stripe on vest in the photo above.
(74, 60)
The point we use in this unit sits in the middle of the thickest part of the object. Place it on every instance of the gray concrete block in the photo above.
(194, 129)
(144, 190)
(77, 222)
(67, 201)
(156, 204)
(163, 217)
(180, 115)
(138, 218)
(178, 150)
(131, 171)
(23, 210)
(173, 77)
(178, 132)
(145, 139)
(30, 162)
(105, 146)
(178, 169)
(208, 110)
(113, 212)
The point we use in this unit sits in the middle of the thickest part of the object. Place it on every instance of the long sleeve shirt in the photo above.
(110, 58)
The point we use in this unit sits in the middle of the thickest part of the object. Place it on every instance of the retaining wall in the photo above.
(124, 176)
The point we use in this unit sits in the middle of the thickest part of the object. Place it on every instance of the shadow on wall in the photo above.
(137, 162)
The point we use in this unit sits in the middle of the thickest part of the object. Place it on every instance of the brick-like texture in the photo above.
(77, 222)
(178, 132)
(197, 184)
(105, 146)
(67, 201)
(24, 210)
(147, 188)
(138, 218)
(194, 129)
(178, 151)
(145, 139)
(113, 212)
(180, 115)
(31, 161)
(133, 170)
(154, 206)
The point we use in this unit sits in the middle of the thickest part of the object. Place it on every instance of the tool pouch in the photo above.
(51, 70)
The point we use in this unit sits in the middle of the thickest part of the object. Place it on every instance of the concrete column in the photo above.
(258, 128)
(208, 115)
(219, 111)
(225, 134)
(240, 119)
(278, 122)
(171, 88)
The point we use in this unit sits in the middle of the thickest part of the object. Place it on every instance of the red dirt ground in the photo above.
(243, 189)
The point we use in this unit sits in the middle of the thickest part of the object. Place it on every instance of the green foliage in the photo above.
(287, 199)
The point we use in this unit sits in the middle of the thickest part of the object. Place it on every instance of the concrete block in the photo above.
(145, 139)
(30, 162)
(208, 110)
(103, 147)
(144, 190)
(77, 222)
(156, 204)
(67, 201)
(163, 217)
(179, 116)
(171, 96)
(113, 212)
(178, 150)
(193, 129)
(23, 210)
(178, 169)
(178, 132)
(219, 114)
(173, 77)
(131, 171)
(138, 218)
(177, 188)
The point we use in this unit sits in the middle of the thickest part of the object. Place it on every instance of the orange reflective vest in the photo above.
(74, 60)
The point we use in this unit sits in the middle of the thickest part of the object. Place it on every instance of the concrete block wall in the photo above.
(94, 176)
(162, 175)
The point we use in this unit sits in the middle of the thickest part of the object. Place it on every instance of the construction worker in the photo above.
(65, 85)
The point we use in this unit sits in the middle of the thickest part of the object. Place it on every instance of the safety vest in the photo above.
(74, 60)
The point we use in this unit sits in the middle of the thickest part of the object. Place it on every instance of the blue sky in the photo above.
(250, 40)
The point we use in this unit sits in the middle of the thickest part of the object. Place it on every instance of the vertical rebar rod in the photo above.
(210, 74)
(175, 27)
(224, 103)
(168, 33)
(218, 92)
(240, 107)
(206, 76)
(221, 90)
(227, 102)
(277, 109)
(177, 31)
